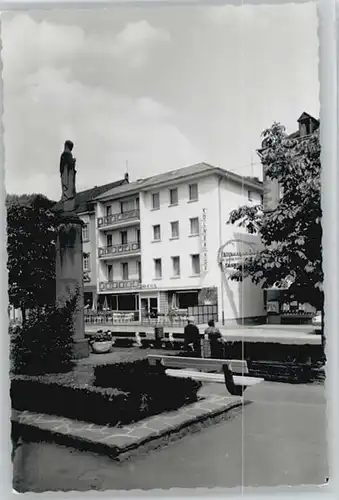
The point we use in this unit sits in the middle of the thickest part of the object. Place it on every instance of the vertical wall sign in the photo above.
(204, 264)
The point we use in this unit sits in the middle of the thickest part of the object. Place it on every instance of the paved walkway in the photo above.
(279, 439)
(149, 432)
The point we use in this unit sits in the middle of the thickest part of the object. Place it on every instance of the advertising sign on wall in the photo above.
(204, 263)
(234, 252)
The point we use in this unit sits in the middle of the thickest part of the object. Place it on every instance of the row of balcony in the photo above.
(118, 285)
(106, 286)
(132, 247)
(119, 218)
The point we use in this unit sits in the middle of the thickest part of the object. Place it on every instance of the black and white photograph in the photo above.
(166, 305)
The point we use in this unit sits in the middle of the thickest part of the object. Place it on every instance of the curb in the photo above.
(121, 443)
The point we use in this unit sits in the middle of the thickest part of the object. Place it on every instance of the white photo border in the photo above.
(328, 53)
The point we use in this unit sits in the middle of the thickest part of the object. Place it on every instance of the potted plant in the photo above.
(101, 342)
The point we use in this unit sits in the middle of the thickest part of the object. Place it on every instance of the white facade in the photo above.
(180, 257)
(89, 254)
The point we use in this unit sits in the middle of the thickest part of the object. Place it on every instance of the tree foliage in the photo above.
(45, 343)
(31, 234)
(291, 234)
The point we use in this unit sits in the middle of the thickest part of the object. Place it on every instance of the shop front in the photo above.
(123, 306)
(201, 304)
(90, 297)
(282, 307)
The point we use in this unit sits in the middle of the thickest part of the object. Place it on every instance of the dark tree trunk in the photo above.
(323, 338)
(23, 315)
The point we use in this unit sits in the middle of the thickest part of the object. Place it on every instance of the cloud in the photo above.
(28, 45)
(45, 104)
(255, 17)
(135, 41)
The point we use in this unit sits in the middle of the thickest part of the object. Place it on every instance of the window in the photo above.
(109, 210)
(174, 196)
(262, 199)
(126, 206)
(194, 226)
(85, 236)
(139, 269)
(175, 229)
(157, 268)
(124, 271)
(86, 261)
(155, 201)
(156, 232)
(137, 203)
(137, 234)
(123, 236)
(110, 272)
(176, 266)
(250, 196)
(193, 192)
(195, 264)
(188, 299)
(108, 240)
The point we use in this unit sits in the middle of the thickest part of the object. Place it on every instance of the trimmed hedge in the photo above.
(138, 377)
(120, 342)
(90, 404)
(142, 394)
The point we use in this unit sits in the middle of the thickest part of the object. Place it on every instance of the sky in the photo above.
(151, 89)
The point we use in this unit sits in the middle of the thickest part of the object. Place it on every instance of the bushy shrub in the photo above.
(101, 336)
(159, 391)
(45, 343)
(123, 342)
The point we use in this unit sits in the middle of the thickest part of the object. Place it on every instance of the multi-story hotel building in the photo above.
(159, 242)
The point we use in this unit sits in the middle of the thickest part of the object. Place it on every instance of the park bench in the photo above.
(234, 373)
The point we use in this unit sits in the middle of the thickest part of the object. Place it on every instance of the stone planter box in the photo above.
(101, 347)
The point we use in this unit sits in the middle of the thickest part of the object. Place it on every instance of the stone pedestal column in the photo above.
(69, 276)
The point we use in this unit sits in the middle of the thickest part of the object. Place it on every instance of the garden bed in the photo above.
(145, 392)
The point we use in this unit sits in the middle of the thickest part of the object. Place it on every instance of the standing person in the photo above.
(192, 339)
(216, 340)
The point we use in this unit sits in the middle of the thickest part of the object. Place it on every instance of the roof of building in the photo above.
(84, 199)
(174, 175)
(304, 116)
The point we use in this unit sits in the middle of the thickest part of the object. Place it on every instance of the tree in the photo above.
(31, 234)
(45, 343)
(291, 234)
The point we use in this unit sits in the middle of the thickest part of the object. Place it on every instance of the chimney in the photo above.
(126, 177)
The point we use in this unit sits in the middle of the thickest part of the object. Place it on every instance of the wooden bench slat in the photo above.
(247, 381)
(213, 377)
(235, 365)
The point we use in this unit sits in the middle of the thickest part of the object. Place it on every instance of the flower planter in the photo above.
(101, 347)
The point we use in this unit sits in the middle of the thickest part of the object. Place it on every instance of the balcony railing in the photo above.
(111, 220)
(113, 250)
(119, 285)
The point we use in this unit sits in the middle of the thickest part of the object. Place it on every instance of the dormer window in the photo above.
(304, 128)
(307, 125)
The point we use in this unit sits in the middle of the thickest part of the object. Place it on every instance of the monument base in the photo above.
(80, 349)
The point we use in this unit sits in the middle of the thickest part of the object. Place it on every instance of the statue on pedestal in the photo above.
(69, 252)
(67, 172)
